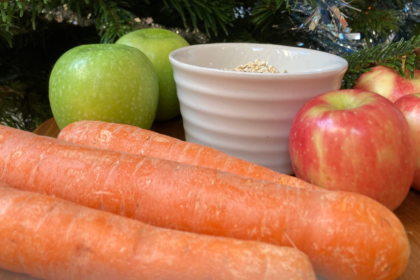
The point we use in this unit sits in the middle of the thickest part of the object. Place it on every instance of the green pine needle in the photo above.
(389, 55)
(375, 23)
(212, 13)
(5, 34)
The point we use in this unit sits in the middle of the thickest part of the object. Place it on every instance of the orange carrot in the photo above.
(51, 238)
(345, 235)
(135, 140)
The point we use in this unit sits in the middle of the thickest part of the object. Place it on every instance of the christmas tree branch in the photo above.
(5, 34)
(114, 19)
(210, 12)
(268, 10)
(375, 21)
(111, 19)
(402, 56)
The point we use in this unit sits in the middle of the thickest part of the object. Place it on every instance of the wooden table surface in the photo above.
(408, 212)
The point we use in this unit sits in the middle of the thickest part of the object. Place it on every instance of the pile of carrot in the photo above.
(135, 140)
(50, 238)
(345, 235)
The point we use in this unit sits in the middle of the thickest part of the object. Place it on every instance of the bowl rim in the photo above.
(342, 67)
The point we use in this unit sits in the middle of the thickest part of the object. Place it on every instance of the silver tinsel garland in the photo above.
(328, 26)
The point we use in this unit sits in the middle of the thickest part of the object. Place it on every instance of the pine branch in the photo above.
(212, 13)
(111, 20)
(375, 23)
(112, 17)
(381, 21)
(268, 10)
(389, 4)
(5, 34)
(403, 56)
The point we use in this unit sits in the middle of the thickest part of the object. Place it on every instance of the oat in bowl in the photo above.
(260, 66)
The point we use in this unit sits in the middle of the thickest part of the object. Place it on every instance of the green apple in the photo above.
(113, 83)
(157, 44)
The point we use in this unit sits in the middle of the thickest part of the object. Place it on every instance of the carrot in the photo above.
(51, 238)
(345, 235)
(135, 140)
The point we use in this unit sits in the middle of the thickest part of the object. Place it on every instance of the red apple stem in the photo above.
(404, 58)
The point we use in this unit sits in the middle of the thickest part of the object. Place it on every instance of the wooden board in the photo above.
(172, 128)
(408, 212)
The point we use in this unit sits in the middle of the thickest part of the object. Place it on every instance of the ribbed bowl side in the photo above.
(248, 118)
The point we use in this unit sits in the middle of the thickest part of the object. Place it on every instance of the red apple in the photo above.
(388, 82)
(354, 140)
(410, 107)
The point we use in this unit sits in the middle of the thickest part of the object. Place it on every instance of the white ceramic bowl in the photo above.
(249, 115)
